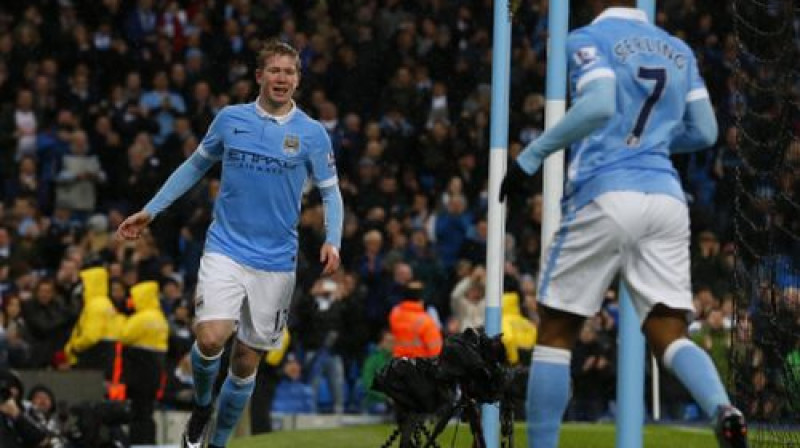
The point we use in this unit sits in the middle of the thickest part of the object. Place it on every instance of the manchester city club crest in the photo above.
(291, 144)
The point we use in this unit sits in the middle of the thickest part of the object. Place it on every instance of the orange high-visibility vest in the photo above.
(416, 334)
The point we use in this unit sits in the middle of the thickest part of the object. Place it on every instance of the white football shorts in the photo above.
(257, 300)
(644, 237)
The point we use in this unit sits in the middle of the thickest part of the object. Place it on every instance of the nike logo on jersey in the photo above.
(240, 131)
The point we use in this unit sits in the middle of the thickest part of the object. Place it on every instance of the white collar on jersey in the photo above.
(280, 119)
(622, 13)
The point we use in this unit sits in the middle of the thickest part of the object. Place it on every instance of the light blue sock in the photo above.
(696, 371)
(232, 399)
(548, 393)
(204, 373)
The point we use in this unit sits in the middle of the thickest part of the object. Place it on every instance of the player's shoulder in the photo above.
(235, 110)
(311, 125)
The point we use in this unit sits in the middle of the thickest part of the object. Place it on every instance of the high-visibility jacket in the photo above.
(416, 334)
(92, 340)
(519, 333)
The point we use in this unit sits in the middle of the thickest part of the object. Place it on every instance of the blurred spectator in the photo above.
(416, 334)
(375, 402)
(15, 334)
(79, 178)
(467, 300)
(163, 105)
(320, 324)
(91, 345)
(17, 429)
(715, 339)
(19, 125)
(451, 229)
(593, 374)
(41, 407)
(144, 335)
(48, 322)
(519, 333)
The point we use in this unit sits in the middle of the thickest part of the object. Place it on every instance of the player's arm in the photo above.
(594, 103)
(699, 128)
(699, 122)
(592, 109)
(594, 106)
(179, 182)
(334, 214)
(323, 172)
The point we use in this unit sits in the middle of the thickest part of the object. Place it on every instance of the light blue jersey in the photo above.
(265, 164)
(656, 76)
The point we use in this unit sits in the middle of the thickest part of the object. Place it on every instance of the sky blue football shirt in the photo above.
(656, 76)
(265, 164)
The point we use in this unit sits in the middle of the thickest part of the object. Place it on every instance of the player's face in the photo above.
(278, 79)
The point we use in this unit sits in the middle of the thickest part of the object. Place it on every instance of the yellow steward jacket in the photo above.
(99, 320)
(519, 333)
(147, 328)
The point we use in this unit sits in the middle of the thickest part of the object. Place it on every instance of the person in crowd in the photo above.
(91, 344)
(144, 337)
(416, 334)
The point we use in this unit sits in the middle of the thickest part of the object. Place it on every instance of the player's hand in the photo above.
(132, 227)
(329, 257)
(513, 182)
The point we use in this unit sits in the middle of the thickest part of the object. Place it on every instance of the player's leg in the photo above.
(217, 302)
(666, 332)
(235, 391)
(657, 273)
(262, 318)
(549, 378)
(581, 261)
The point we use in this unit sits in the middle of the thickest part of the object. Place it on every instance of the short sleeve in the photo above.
(697, 87)
(212, 145)
(323, 162)
(587, 60)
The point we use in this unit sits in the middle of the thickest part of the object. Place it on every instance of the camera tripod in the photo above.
(416, 430)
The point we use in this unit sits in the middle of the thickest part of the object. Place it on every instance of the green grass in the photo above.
(572, 436)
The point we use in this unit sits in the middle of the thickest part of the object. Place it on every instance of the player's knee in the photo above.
(210, 343)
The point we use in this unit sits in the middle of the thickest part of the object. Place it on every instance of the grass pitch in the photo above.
(572, 436)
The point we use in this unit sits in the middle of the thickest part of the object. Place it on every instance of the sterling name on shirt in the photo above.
(630, 46)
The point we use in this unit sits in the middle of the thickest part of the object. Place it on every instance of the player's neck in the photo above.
(275, 110)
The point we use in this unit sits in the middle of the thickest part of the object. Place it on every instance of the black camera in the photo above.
(98, 424)
(471, 362)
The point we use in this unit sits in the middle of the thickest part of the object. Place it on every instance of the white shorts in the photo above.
(257, 300)
(644, 237)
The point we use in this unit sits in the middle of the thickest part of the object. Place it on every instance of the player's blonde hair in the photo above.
(275, 47)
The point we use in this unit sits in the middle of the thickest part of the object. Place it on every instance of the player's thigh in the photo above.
(581, 261)
(657, 270)
(266, 310)
(220, 289)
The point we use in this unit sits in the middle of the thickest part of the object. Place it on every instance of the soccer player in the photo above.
(637, 97)
(268, 149)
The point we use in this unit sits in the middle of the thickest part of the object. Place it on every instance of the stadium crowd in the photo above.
(100, 101)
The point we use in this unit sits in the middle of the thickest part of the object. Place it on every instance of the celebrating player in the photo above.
(268, 149)
(637, 97)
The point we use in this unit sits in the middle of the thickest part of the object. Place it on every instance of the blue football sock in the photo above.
(232, 399)
(696, 371)
(204, 373)
(548, 393)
